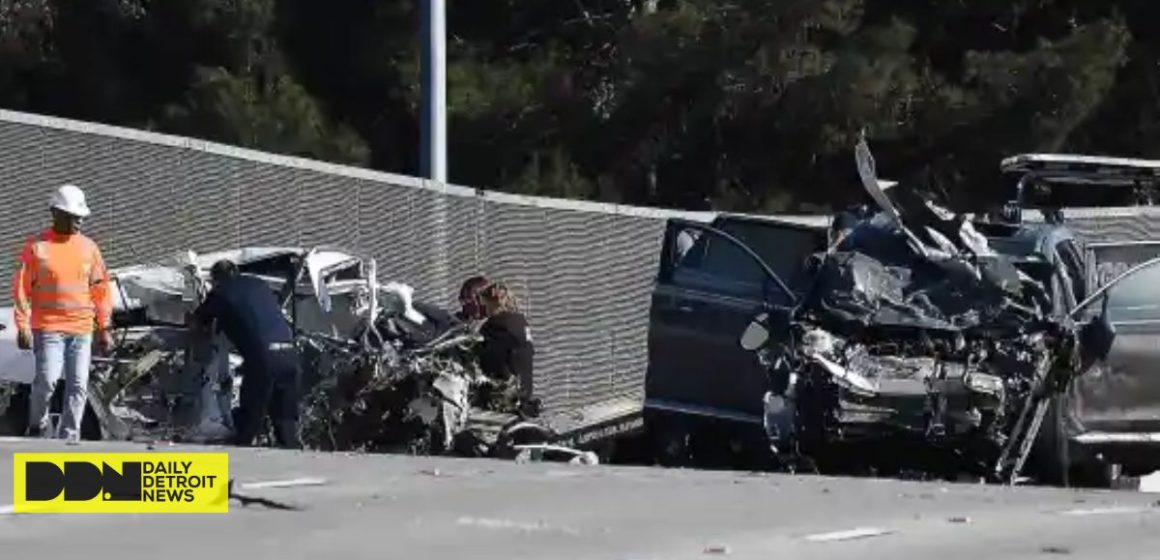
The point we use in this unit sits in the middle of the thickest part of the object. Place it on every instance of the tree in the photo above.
(746, 105)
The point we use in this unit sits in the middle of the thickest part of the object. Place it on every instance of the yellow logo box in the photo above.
(121, 482)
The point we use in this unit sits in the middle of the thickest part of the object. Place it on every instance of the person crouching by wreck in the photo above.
(507, 351)
(247, 311)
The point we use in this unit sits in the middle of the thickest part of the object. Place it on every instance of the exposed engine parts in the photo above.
(918, 347)
(832, 394)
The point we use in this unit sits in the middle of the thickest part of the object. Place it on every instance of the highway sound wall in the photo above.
(583, 272)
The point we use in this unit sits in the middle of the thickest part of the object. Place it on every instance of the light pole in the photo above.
(434, 135)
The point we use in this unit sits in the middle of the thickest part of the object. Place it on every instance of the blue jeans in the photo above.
(60, 354)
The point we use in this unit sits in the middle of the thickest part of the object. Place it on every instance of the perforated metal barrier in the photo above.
(583, 271)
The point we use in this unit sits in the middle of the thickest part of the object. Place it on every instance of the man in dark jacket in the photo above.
(507, 351)
(248, 312)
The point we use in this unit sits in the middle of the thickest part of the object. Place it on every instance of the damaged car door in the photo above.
(1118, 399)
(711, 280)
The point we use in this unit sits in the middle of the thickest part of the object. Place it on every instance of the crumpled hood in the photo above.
(875, 278)
(913, 264)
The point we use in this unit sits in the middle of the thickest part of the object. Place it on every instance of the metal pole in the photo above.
(434, 90)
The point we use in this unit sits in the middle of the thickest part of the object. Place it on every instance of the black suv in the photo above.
(704, 392)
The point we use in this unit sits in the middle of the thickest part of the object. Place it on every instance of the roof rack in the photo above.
(1116, 181)
(1084, 169)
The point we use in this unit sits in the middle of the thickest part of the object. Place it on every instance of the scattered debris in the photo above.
(1055, 550)
(537, 452)
(1150, 483)
(247, 500)
(960, 520)
(720, 549)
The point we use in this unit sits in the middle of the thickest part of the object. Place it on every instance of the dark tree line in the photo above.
(737, 104)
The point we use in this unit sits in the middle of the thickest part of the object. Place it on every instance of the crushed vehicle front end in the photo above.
(917, 349)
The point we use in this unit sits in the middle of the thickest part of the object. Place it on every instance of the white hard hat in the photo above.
(70, 199)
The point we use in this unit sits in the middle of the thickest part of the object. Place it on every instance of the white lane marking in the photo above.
(859, 533)
(1104, 511)
(284, 483)
(5, 510)
(492, 523)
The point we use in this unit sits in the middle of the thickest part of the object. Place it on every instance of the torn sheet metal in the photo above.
(405, 301)
(875, 278)
(868, 173)
(915, 333)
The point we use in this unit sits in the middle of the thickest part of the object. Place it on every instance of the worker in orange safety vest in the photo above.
(62, 303)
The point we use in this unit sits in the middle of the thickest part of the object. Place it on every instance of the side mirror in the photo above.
(756, 334)
(1096, 337)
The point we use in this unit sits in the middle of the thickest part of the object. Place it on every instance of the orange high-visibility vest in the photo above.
(63, 284)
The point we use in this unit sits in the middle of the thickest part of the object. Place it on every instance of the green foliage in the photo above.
(741, 105)
(276, 115)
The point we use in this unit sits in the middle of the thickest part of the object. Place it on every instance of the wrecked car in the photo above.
(900, 357)
(160, 381)
(428, 397)
(914, 340)
(382, 372)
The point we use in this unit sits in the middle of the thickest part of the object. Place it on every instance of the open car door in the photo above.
(709, 287)
(1118, 399)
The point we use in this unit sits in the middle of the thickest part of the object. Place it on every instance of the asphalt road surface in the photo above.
(363, 506)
